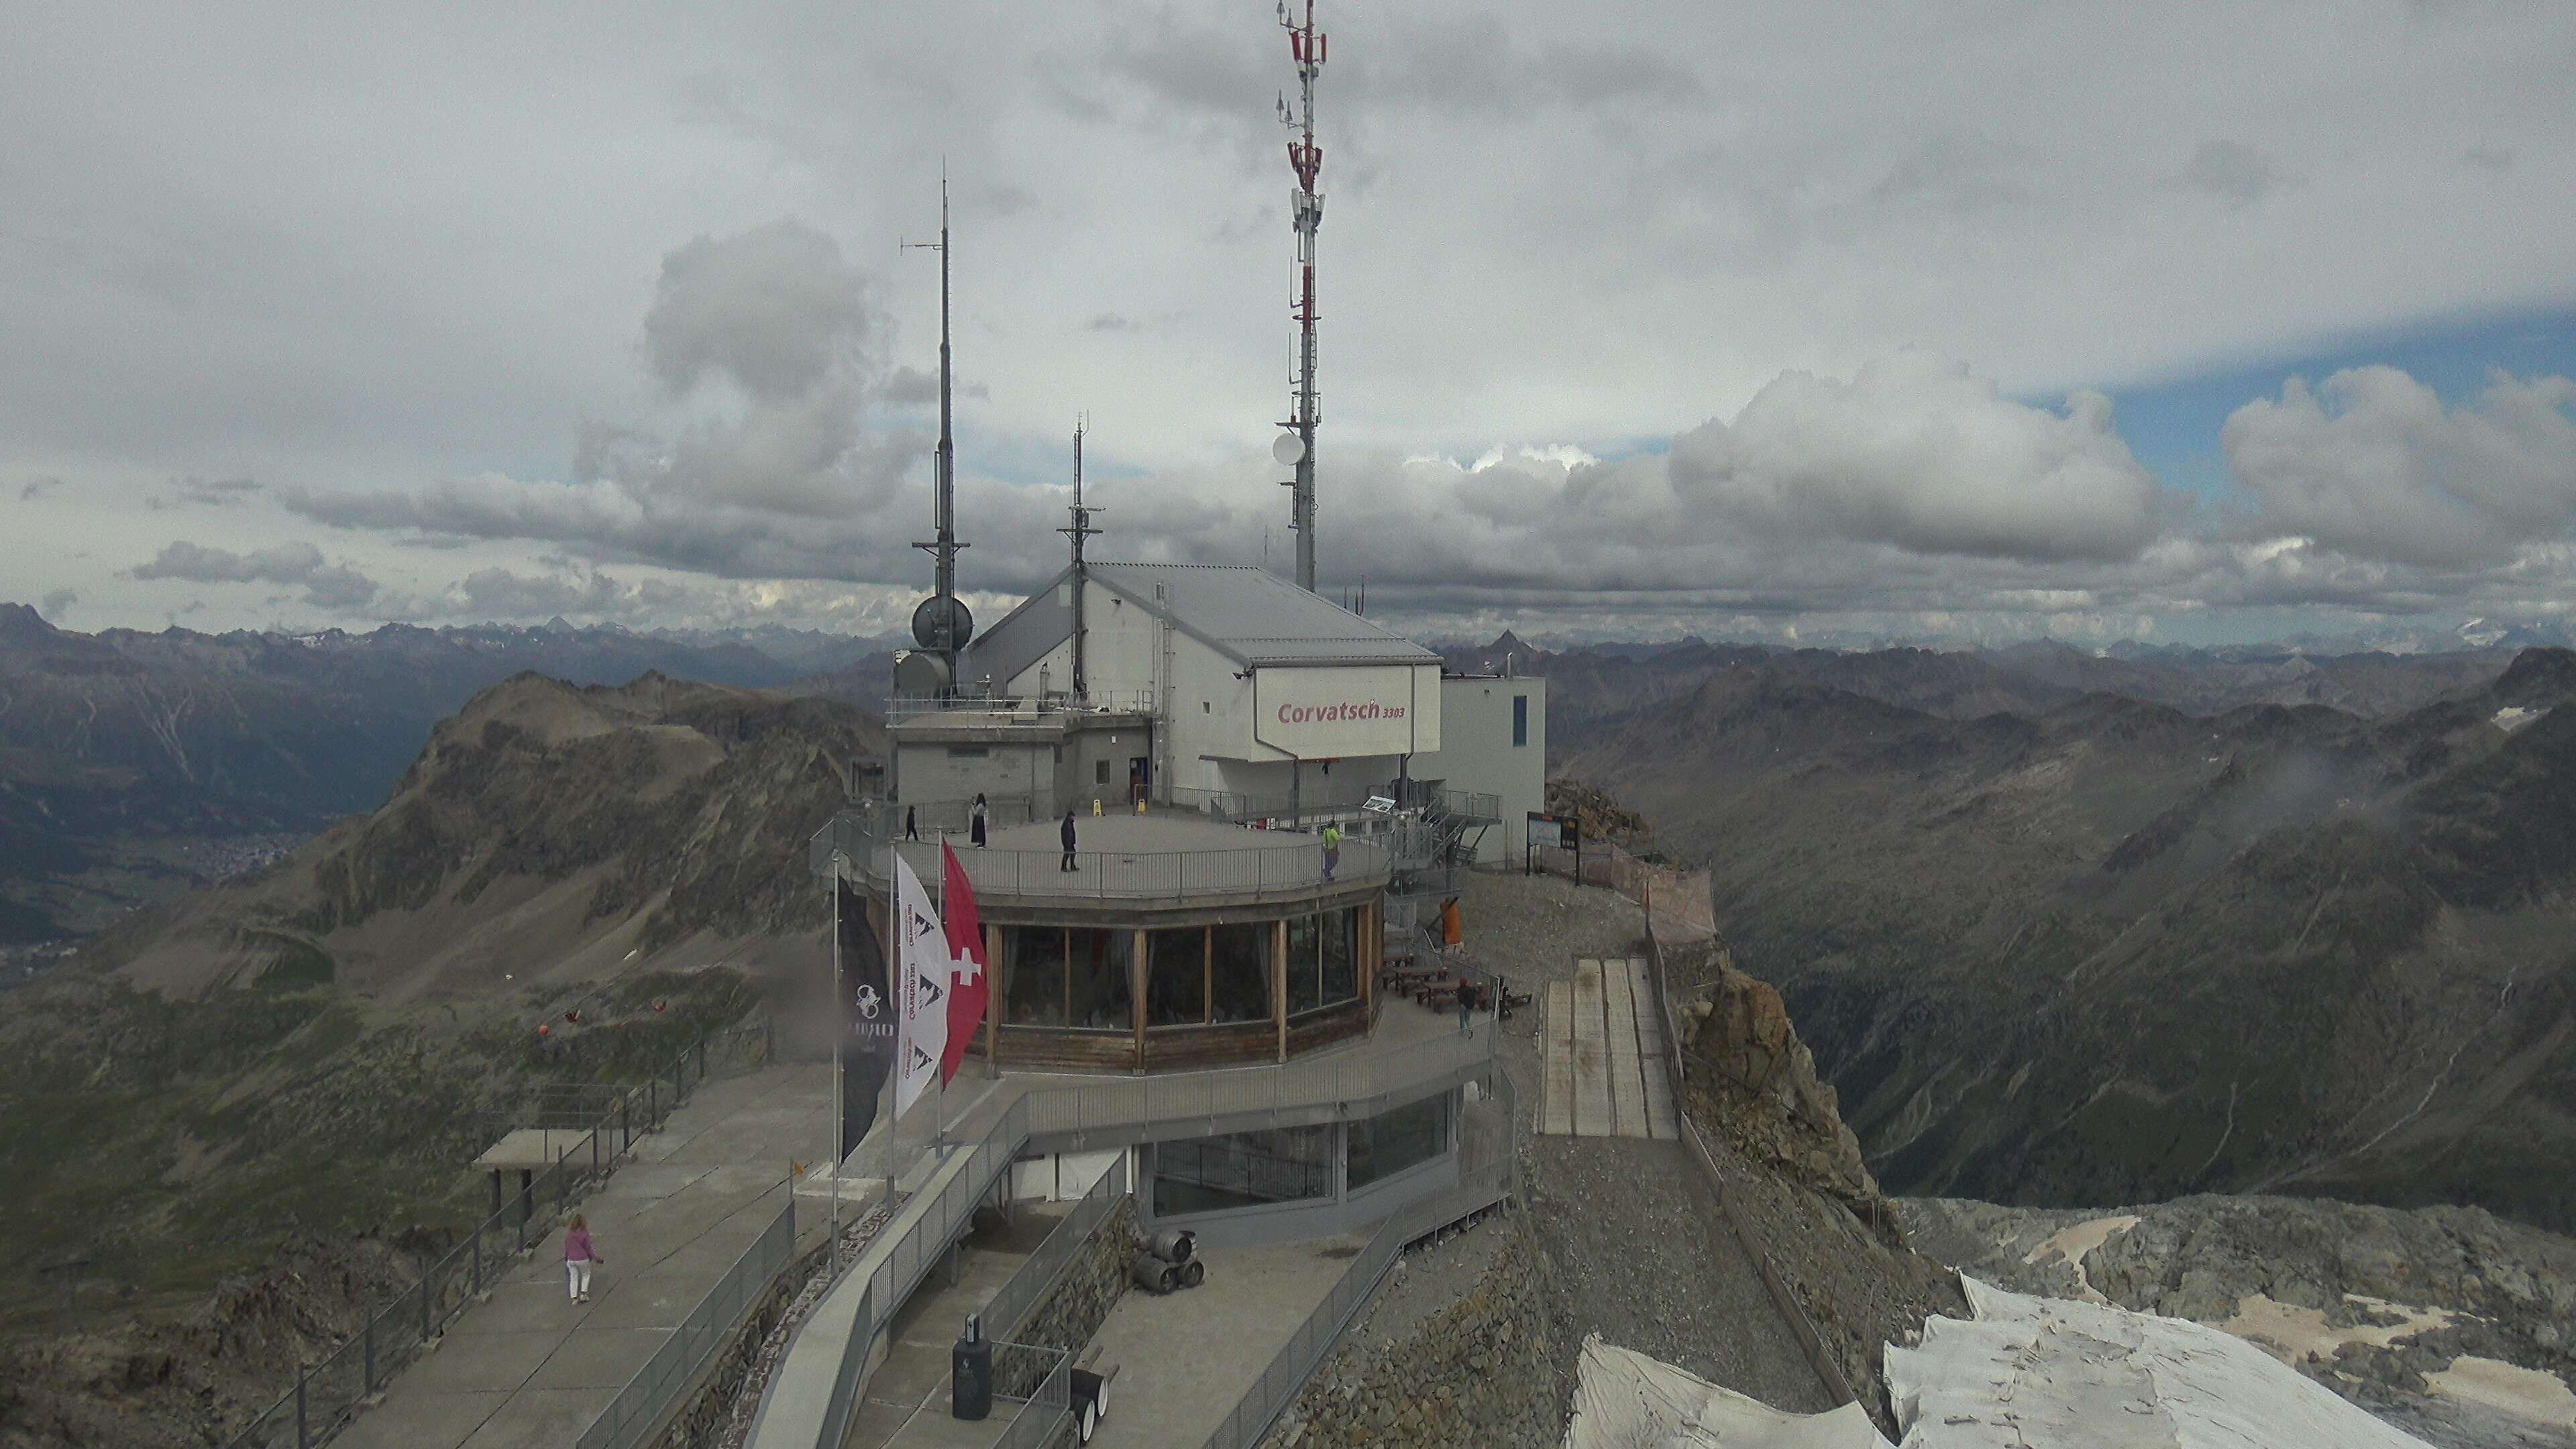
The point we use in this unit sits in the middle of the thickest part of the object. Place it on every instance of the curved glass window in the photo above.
(1239, 986)
(1176, 986)
(1101, 991)
(1033, 976)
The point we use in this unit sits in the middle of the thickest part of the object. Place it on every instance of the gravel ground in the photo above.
(1640, 1251)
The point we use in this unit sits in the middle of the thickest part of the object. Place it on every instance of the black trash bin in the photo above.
(970, 1373)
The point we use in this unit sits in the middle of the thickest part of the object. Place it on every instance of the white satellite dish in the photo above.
(1290, 450)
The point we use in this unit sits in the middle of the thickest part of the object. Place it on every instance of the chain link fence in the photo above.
(329, 1392)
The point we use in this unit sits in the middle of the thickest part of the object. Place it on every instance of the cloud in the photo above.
(2372, 464)
(774, 310)
(300, 565)
(213, 492)
(57, 601)
(35, 488)
(2233, 172)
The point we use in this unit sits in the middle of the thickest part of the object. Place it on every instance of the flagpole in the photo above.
(840, 1037)
(938, 1086)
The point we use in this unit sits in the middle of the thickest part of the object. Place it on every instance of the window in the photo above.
(1100, 990)
(1033, 976)
(1341, 956)
(1520, 720)
(1239, 979)
(1304, 982)
(969, 752)
(1390, 1142)
(1100, 772)
(1176, 984)
(1246, 1169)
(1323, 960)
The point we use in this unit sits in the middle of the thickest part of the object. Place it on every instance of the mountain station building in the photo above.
(1204, 725)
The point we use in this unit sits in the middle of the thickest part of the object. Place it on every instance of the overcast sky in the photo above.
(1943, 321)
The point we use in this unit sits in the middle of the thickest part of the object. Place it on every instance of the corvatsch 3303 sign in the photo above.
(1331, 714)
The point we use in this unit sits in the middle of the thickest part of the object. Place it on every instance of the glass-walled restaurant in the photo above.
(1144, 994)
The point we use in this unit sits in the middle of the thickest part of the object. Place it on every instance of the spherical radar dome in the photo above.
(942, 622)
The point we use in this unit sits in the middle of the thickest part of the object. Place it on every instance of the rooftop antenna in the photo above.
(942, 624)
(1079, 530)
(1306, 45)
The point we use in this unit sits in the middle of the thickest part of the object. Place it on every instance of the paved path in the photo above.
(1184, 1359)
(528, 1370)
(909, 1401)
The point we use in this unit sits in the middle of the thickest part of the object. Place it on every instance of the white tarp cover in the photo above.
(1625, 1400)
(2051, 1371)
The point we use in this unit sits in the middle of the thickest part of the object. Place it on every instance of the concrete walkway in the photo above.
(1185, 1359)
(909, 1399)
(527, 1369)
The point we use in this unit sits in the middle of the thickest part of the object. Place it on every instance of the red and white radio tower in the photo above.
(1306, 44)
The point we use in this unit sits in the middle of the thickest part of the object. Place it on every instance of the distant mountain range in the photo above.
(1597, 689)
(2085, 948)
(122, 751)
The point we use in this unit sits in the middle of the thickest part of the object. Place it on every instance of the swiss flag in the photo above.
(967, 978)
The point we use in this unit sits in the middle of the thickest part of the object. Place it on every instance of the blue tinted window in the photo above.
(1520, 720)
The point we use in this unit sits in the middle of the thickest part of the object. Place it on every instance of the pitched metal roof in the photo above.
(1250, 615)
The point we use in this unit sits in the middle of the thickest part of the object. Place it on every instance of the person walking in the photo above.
(579, 1255)
(975, 826)
(1068, 839)
(1332, 850)
(911, 824)
(1466, 1002)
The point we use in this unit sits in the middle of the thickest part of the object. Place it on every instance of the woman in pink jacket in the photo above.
(578, 1256)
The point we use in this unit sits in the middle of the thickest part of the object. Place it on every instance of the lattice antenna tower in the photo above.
(1306, 46)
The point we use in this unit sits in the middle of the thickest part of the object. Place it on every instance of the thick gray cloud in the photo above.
(514, 283)
(327, 586)
(2372, 464)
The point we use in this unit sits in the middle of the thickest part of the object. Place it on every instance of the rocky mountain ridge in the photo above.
(2111, 951)
(123, 752)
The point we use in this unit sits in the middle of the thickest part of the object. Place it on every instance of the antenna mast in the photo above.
(942, 625)
(1080, 530)
(1306, 45)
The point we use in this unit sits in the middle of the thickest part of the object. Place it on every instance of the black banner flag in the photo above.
(867, 1018)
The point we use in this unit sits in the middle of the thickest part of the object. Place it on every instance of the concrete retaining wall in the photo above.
(1073, 1310)
(1479, 1374)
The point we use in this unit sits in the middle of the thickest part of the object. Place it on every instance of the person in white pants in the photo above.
(579, 1255)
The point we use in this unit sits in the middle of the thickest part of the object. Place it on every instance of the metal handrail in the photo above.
(638, 1407)
(328, 1393)
(1292, 868)
(1296, 1362)
(1036, 1275)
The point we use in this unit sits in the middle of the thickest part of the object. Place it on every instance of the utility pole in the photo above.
(1306, 45)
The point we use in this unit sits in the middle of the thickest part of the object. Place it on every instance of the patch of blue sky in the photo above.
(2173, 425)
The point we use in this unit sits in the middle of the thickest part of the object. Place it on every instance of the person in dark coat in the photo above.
(975, 827)
(911, 825)
(1068, 840)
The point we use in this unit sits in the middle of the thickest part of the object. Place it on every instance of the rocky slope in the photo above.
(121, 751)
(2111, 952)
(546, 833)
(2455, 1326)
(301, 1062)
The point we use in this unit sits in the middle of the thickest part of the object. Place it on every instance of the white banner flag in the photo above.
(921, 991)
